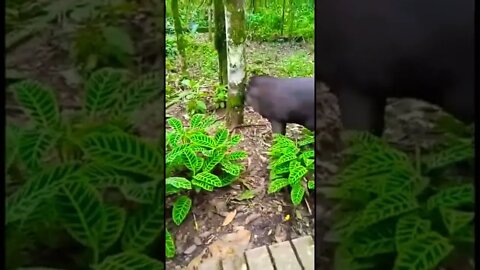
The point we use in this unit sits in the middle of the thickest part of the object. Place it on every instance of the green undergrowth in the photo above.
(84, 190)
(401, 212)
(292, 165)
(97, 31)
(201, 157)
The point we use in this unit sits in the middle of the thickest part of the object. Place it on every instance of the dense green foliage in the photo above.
(292, 164)
(398, 212)
(97, 30)
(84, 183)
(200, 160)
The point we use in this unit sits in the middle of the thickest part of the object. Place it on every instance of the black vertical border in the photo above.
(477, 129)
(163, 6)
(3, 143)
(315, 63)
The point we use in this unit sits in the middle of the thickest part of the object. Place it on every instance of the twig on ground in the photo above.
(308, 206)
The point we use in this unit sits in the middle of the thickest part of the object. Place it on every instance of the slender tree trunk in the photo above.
(210, 21)
(220, 41)
(283, 18)
(179, 33)
(235, 25)
(291, 16)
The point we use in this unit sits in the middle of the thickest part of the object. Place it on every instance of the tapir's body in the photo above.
(369, 50)
(283, 100)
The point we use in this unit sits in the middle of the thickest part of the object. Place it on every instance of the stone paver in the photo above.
(284, 257)
(259, 259)
(297, 254)
(305, 247)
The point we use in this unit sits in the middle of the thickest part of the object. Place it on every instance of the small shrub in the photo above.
(199, 161)
(394, 214)
(81, 174)
(292, 164)
(220, 97)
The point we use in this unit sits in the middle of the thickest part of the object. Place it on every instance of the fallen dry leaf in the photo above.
(229, 218)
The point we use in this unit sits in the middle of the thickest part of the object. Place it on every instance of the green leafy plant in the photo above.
(193, 97)
(198, 160)
(296, 65)
(396, 212)
(292, 165)
(220, 97)
(97, 45)
(75, 177)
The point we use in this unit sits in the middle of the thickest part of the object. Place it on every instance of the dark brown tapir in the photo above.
(283, 100)
(366, 51)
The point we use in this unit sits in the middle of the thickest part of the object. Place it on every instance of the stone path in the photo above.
(296, 254)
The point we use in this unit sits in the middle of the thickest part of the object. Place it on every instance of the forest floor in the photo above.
(262, 214)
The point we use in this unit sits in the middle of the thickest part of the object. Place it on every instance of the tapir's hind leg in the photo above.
(278, 127)
(361, 112)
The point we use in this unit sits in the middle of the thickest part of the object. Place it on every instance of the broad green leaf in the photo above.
(455, 220)
(173, 138)
(125, 152)
(213, 160)
(114, 220)
(169, 245)
(373, 241)
(129, 261)
(202, 140)
(33, 146)
(409, 228)
(297, 174)
(306, 141)
(118, 38)
(425, 252)
(297, 193)
(208, 178)
(38, 102)
(227, 179)
(388, 206)
(82, 213)
(175, 153)
(311, 184)
(139, 92)
(277, 184)
(181, 208)
(176, 124)
(106, 177)
(203, 185)
(288, 156)
(452, 197)
(234, 140)
(221, 136)
(143, 227)
(307, 154)
(101, 88)
(231, 168)
(178, 182)
(237, 155)
(21, 204)
(196, 121)
(458, 152)
(191, 159)
(140, 192)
